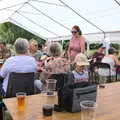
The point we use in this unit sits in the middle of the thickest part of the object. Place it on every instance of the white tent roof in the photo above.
(51, 19)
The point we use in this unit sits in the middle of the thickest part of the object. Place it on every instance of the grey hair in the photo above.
(21, 45)
(55, 49)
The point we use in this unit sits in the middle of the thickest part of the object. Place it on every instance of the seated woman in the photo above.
(112, 60)
(80, 72)
(54, 64)
(21, 62)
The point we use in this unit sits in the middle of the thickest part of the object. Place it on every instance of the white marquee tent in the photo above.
(53, 19)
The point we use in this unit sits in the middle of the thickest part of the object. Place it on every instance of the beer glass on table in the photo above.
(21, 100)
(88, 110)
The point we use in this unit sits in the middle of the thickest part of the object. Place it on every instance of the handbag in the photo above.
(73, 94)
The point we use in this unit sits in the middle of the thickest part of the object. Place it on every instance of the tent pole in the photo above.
(38, 24)
(49, 17)
(117, 2)
(82, 16)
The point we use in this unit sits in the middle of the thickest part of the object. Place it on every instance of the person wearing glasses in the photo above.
(33, 49)
(77, 43)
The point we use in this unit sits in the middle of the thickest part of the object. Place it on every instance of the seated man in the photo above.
(21, 62)
(96, 58)
(98, 55)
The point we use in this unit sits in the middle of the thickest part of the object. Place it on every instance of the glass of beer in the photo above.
(21, 100)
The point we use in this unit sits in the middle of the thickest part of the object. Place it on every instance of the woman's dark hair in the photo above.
(39, 46)
(111, 51)
(78, 29)
(118, 58)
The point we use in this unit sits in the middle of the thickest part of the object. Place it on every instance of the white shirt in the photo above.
(20, 64)
(80, 77)
(105, 72)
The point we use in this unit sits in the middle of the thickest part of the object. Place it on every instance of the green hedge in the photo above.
(94, 46)
(116, 46)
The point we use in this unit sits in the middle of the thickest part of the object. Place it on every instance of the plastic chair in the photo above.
(20, 82)
(102, 67)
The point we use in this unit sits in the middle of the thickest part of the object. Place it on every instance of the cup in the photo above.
(21, 100)
(51, 86)
(47, 110)
(88, 110)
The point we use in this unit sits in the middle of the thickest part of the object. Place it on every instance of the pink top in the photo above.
(76, 46)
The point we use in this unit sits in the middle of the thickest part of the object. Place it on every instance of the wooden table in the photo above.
(108, 101)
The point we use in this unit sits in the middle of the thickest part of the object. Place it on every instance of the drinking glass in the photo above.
(21, 100)
(88, 109)
(47, 110)
(51, 86)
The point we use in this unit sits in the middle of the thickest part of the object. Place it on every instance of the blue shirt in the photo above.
(79, 77)
(20, 64)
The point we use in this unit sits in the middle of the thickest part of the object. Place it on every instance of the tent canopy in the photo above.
(51, 19)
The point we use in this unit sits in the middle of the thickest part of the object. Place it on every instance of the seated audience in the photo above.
(99, 54)
(20, 63)
(4, 52)
(97, 57)
(80, 72)
(33, 49)
(54, 64)
(112, 60)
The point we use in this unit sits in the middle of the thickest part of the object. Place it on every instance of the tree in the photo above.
(65, 44)
(10, 32)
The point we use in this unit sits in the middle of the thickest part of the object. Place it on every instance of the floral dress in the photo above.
(55, 66)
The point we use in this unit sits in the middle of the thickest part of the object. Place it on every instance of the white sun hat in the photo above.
(81, 59)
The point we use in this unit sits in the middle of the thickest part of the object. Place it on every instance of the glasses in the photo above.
(73, 32)
(35, 45)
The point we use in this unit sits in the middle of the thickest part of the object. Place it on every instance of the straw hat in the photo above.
(81, 59)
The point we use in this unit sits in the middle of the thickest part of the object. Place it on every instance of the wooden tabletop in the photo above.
(108, 100)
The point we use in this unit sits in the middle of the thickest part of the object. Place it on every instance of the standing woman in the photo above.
(77, 43)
